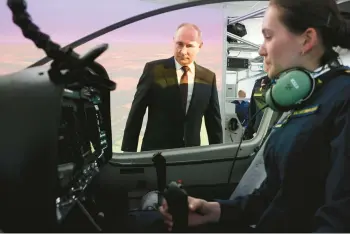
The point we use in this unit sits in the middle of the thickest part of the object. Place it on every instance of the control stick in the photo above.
(177, 200)
(160, 165)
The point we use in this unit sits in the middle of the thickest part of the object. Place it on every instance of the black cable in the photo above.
(134, 19)
(31, 31)
(63, 58)
(88, 216)
(239, 145)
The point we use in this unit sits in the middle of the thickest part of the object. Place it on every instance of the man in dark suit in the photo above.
(178, 93)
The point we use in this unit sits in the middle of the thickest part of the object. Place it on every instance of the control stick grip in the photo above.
(177, 200)
(160, 165)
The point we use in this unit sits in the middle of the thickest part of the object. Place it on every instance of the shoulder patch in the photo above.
(282, 122)
(306, 111)
(319, 82)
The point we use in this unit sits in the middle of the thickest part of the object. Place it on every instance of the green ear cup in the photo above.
(269, 101)
(292, 87)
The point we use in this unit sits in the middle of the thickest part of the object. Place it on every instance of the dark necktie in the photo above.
(184, 86)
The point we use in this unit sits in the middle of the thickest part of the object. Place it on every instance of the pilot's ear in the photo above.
(309, 40)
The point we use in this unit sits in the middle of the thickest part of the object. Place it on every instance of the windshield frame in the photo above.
(135, 19)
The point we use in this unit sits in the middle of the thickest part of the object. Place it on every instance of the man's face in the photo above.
(241, 94)
(187, 44)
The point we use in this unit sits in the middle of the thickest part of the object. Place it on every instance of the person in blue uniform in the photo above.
(242, 108)
(307, 157)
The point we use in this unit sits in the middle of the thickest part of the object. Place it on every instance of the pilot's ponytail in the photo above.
(341, 37)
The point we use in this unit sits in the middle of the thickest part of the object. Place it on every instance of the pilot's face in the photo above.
(187, 44)
(281, 48)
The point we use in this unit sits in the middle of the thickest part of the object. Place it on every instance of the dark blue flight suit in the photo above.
(307, 162)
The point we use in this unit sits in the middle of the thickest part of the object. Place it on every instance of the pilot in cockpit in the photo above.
(307, 155)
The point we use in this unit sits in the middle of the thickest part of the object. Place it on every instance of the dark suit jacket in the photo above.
(168, 125)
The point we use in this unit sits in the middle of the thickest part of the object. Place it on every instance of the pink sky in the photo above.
(130, 47)
(67, 20)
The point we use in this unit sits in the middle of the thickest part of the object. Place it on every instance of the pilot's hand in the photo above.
(200, 212)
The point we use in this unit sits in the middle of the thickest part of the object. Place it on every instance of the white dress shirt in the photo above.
(190, 74)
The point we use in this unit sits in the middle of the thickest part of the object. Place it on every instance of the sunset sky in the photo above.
(130, 47)
(67, 20)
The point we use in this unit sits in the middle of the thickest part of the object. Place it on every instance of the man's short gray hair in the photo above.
(191, 26)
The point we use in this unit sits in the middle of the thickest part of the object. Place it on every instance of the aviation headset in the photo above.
(294, 86)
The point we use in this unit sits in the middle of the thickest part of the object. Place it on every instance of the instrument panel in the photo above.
(82, 147)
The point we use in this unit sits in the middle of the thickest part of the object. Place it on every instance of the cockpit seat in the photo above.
(29, 122)
(253, 177)
(255, 174)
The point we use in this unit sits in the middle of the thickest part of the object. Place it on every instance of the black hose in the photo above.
(31, 31)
